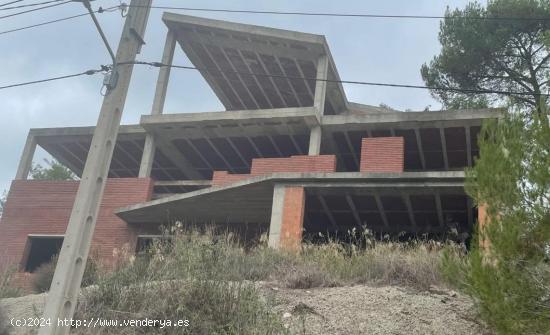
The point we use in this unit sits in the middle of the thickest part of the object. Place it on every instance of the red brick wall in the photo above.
(293, 218)
(44, 207)
(220, 178)
(264, 166)
(382, 154)
(320, 163)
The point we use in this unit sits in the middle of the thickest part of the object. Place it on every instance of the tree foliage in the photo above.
(479, 52)
(54, 171)
(511, 277)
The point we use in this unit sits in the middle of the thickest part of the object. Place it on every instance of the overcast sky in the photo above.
(376, 50)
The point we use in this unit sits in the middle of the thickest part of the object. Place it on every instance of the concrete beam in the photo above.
(353, 208)
(25, 163)
(321, 86)
(169, 150)
(420, 148)
(204, 182)
(381, 209)
(327, 212)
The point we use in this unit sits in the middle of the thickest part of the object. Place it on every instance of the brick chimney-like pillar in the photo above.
(287, 217)
(382, 154)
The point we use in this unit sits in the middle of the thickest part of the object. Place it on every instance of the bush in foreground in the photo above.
(210, 280)
(43, 275)
(7, 290)
(509, 275)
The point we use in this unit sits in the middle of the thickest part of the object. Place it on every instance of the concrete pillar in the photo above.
(315, 141)
(287, 217)
(319, 104)
(25, 163)
(148, 156)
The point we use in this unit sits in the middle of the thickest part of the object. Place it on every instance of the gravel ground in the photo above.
(341, 310)
(376, 310)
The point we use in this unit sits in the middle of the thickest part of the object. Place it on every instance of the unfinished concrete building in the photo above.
(290, 155)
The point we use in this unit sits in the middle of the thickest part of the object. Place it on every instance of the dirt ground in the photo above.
(341, 310)
(376, 310)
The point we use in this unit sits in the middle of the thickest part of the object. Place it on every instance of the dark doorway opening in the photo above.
(41, 250)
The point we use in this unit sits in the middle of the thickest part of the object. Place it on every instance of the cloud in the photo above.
(364, 49)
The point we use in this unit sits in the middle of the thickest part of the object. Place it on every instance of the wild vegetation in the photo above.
(43, 275)
(210, 280)
(509, 276)
(7, 289)
(480, 51)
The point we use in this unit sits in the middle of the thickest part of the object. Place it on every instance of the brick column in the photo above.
(382, 154)
(287, 217)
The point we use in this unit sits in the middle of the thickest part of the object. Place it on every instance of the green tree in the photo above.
(481, 52)
(510, 278)
(54, 171)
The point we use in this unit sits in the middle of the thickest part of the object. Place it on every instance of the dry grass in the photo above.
(415, 265)
(7, 290)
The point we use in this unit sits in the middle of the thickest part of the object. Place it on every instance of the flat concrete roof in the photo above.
(251, 200)
(226, 52)
(192, 145)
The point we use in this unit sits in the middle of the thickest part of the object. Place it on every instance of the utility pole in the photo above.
(65, 287)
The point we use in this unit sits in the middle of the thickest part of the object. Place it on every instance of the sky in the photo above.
(364, 49)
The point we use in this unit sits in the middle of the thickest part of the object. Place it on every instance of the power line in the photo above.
(365, 15)
(279, 13)
(35, 9)
(100, 10)
(9, 3)
(88, 73)
(30, 5)
(448, 89)
(105, 68)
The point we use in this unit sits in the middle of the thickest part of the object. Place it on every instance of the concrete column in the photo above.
(315, 141)
(319, 104)
(148, 156)
(287, 217)
(25, 163)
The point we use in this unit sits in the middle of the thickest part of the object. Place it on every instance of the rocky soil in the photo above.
(341, 310)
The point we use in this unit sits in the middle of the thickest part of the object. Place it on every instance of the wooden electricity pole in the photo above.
(65, 287)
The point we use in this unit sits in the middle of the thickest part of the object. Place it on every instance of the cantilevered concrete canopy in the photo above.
(199, 143)
(416, 202)
(226, 52)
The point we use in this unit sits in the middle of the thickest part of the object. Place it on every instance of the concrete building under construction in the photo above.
(290, 156)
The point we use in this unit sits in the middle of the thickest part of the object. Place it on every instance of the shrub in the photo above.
(43, 275)
(196, 278)
(509, 275)
(7, 290)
